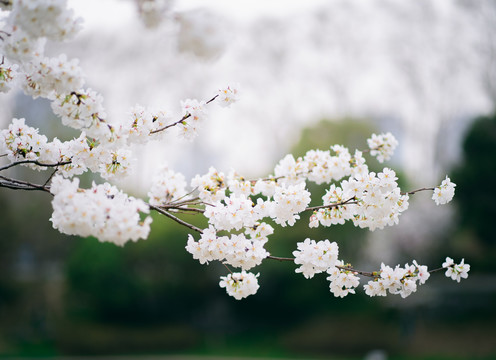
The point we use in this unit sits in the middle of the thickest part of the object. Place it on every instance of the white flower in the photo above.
(342, 282)
(102, 211)
(236, 213)
(315, 257)
(80, 109)
(46, 77)
(444, 193)
(168, 186)
(118, 164)
(19, 46)
(240, 285)
(211, 186)
(46, 18)
(195, 114)
(291, 171)
(227, 96)
(382, 146)
(8, 76)
(288, 202)
(456, 271)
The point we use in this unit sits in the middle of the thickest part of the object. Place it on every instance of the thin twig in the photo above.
(227, 267)
(417, 190)
(21, 185)
(350, 201)
(50, 177)
(176, 219)
(180, 208)
(35, 162)
(179, 121)
(280, 258)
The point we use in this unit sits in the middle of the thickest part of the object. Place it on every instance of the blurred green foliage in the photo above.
(476, 178)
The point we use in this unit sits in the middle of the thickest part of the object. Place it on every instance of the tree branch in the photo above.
(350, 201)
(374, 274)
(35, 162)
(418, 190)
(181, 120)
(21, 185)
(176, 219)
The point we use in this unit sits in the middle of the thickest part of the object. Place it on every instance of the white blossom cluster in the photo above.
(48, 18)
(382, 146)
(400, 280)
(371, 201)
(238, 210)
(315, 257)
(342, 281)
(236, 250)
(228, 95)
(80, 110)
(46, 77)
(21, 142)
(195, 114)
(167, 186)
(456, 271)
(102, 211)
(18, 46)
(211, 186)
(444, 193)
(8, 76)
(240, 285)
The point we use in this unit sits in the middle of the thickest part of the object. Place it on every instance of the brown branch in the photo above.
(417, 190)
(50, 177)
(350, 201)
(21, 185)
(280, 258)
(181, 120)
(227, 267)
(35, 162)
(364, 273)
(176, 219)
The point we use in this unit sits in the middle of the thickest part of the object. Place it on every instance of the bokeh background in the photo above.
(312, 74)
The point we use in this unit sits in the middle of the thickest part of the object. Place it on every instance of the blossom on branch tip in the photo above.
(382, 146)
(240, 285)
(342, 281)
(228, 96)
(456, 271)
(444, 193)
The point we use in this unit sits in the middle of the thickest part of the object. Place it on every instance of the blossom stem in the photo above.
(21, 185)
(418, 190)
(179, 121)
(176, 219)
(35, 162)
(346, 202)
